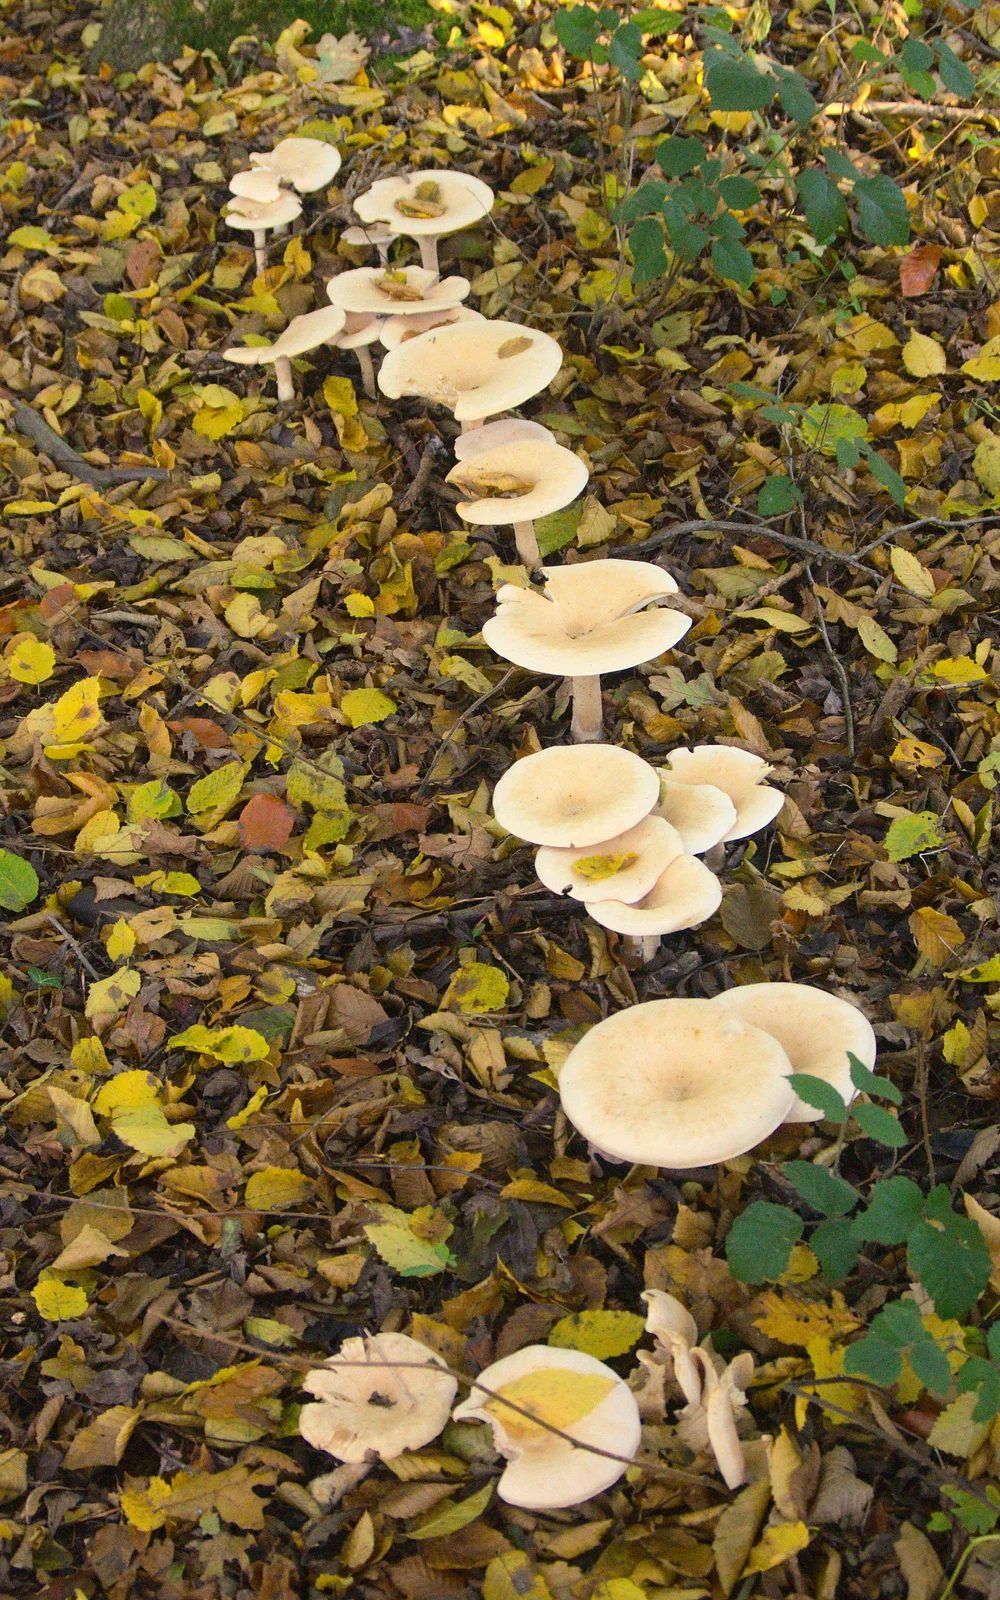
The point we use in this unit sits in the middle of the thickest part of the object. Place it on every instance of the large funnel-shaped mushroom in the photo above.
(508, 430)
(395, 291)
(737, 773)
(514, 484)
(574, 796)
(302, 334)
(426, 206)
(685, 895)
(625, 868)
(305, 164)
(476, 370)
(589, 620)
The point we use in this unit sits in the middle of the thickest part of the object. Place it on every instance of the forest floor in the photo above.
(277, 819)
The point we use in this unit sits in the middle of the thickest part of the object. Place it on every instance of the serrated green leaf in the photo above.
(930, 1365)
(736, 85)
(827, 1194)
(678, 156)
(951, 1261)
(835, 1248)
(760, 1242)
(824, 206)
(882, 214)
(879, 1124)
(819, 1094)
(871, 1358)
(870, 1083)
(896, 1206)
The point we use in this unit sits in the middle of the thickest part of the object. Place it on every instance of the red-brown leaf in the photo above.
(208, 733)
(142, 262)
(918, 269)
(265, 822)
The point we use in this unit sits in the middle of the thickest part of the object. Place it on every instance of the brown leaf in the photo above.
(918, 269)
(142, 263)
(265, 822)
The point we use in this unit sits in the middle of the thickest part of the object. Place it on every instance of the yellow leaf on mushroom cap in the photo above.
(554, 1396)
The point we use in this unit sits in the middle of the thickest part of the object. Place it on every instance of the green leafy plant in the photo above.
(833, 428)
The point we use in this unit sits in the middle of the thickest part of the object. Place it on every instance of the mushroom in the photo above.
(360, 331)
(396, 330)
(395, 291)
(574, 796)
(305, 164)
(302, 334)
(505, 431)
(376, 1398)
(624, 868)
(737, 773)
(515, 483)
(565, 1389)
(476, 369)
(676, 1332)
(815, 1029)
(426, 206)
(589, 620)
(711, 1420)
(373, 236)
(684, 895)
(257, 216)
(675, 1083)
(702, 814)
(255, 185)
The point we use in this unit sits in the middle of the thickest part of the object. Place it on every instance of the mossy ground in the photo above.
(136, 31)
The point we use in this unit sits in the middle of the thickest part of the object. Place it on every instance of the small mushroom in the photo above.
(684, 895)
(676, 1332)
(426, 206)
(574, 796)
(711, 1420)
(513, 484)
(507, 430)
(571, 1391)
(475, 369)
(255, 184)
(737, 773)
(815, 1029)
(376, 1398)
(396, 330)
(702, 814)
(302, 334)
(395, 291)
(624, 868)
(304, 164)
(360, 331)
(662, 1084)
(257, 216)
(588, 620)
(373, 236)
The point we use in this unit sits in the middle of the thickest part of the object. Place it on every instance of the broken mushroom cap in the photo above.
(395, 291)
(306, 164)
(518, 482)
(711, 1420)
(475, 369)
(574, 795)
(255, 184)
(460, 201)
(702, 814)
(684, 895)
(570, 1391)
(623, 868)
(359, 330)
(397, 330)
(368, 1407)
(690, 1093)
(506, 430)
(676, 1332)
(739, 774)
(587, 619)
(303, 333)
(815, 1029)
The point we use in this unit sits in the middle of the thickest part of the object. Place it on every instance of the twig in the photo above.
(27, 420)
(450, 735)
(769, 588)
(74, 946)
(916, 108)
(432, 449)
(836, 663)
(922, 1095)
(754, 529)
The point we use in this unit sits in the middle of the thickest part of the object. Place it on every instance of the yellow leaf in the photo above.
(245, 616)
(215, 422)
(542, 1194)
(597, 868)
(476, 988)
(917, 754)
(553, 1395)
(790, 1320)
(76, 1114)
(235, 1045)
(77, 712)
(985, 463)
(959, 669)
(88, 1249)
(126, 1092)
(218, 791)
(784, 1540)
(603, 1334)
(120, 942)
(222, 691)
(912, 574)
(936, 935)
(147, 1130)
(359, 605)
(111, 995)
(875, 640)
(923, 357)
(59, 1302)
(31, 661)
(275, 1187)
(88, 1055)
(362, 706)
(253, 1104)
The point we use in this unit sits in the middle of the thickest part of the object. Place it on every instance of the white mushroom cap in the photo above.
(256, 215)
(664, 1085)
(368, 1407)
(505, 431)
(676, 1332)
(585, 622)
(738, 774)
(702, 814)
(815, 1029)
(624, 868)
(397, 330)
(475, 369)
(256, 185)
(518, 482)
(370, 236)
(546, 1471)
(574, 795)
(463, 200)
(711, 1420)
(683, 896)
(360, 329)
(306, 164)
(395, 291)
(302, 334)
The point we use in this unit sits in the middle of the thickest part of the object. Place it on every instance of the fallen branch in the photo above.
(808, 547)
(28, 421)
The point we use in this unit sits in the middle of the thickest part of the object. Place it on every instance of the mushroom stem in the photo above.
(648, 946)
(470, 427)
(260, 248)
(283, 373)
(429, 253)
(528, 552)
(364, 356)
(587, 726)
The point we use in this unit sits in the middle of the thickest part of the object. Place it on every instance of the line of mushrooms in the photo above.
(673, 1083)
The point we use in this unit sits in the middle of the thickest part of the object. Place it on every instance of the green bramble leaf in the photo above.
(578, 29)
(735, 85)
(739, 193)
(882, 214)
(948, 1254)
(678, 156)
(760, 1242)
(795, 97)
(870, 1082)
(878, 1124)
(930, 1364)
(835, 1248)
(827, 1194)
(777, 496)
(819, 1094)
(824, 206)
(896, 1207)
(733, 260)
(871, 1358)
(648, 254)
(955, 75)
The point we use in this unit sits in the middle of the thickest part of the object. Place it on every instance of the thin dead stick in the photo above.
(922, 1095)
(915, 108)
(450, 735)
(807, 547)
(654, 1468)
(837, 664)
(73, 944)
(432, 450)
(27, 420)
(769, 588)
